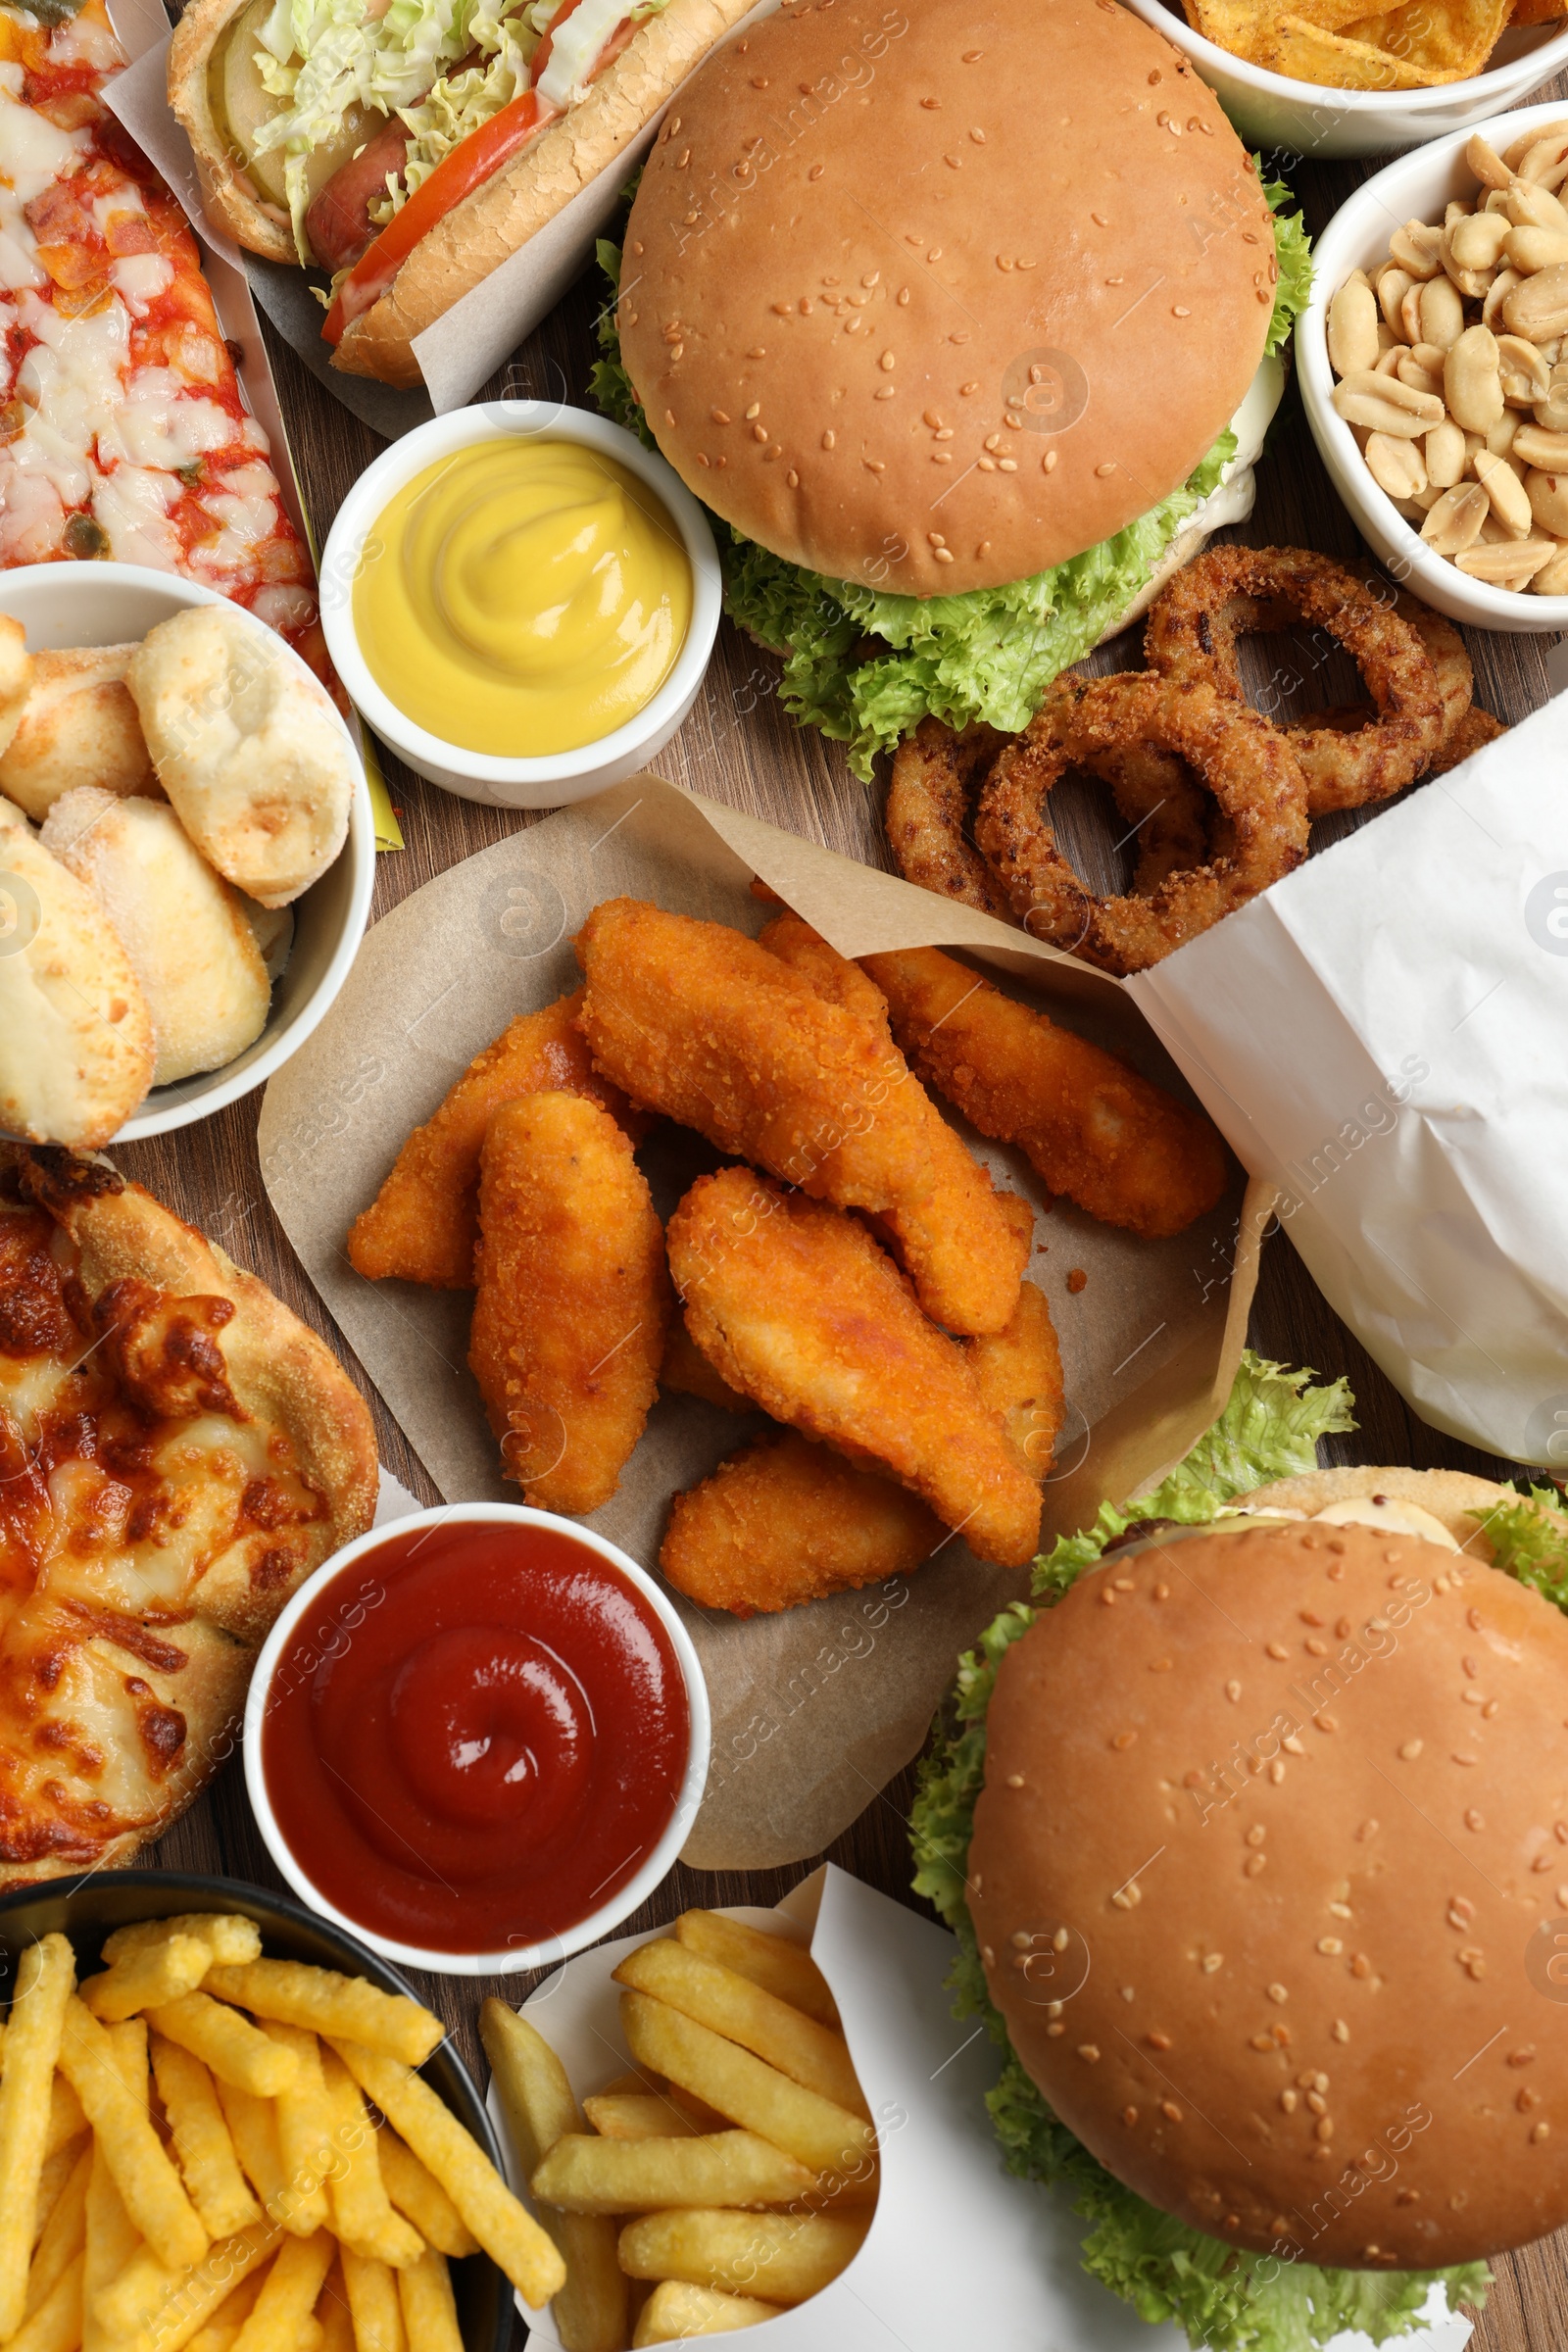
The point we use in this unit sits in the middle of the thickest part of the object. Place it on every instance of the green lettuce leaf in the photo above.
(1166, 2270)
(988, 655)
(1528, 1539)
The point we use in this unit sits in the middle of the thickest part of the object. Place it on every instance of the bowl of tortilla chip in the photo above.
(1317, 79)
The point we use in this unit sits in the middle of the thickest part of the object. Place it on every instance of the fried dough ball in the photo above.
(180, 924)
(573, 1300)
(77, 725)
(75, 1035)
(248, 746)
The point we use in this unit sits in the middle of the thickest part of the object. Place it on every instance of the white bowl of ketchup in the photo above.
(479, 1739)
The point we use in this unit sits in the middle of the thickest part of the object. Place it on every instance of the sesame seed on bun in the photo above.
(1273, 1834)
(934, 298)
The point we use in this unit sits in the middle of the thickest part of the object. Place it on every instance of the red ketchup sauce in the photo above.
(475, 1736)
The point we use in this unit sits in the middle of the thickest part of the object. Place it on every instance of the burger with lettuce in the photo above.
(1252, 1828)
(965, 327)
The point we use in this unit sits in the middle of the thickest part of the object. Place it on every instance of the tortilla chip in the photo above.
(1445, 43)
(1537, 12)
(1307, 53)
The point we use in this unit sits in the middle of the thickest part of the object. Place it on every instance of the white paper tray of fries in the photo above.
(956, 2244)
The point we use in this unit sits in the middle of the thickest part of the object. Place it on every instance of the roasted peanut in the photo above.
(1496, 294)
(1389, 361)
(1538, 447)
(1514, 156)
(1530, 250)
(1505, 494)
(1422, 380)
(1472, 380)
(1546, 160)
(1396, 467)
(1454, 523)
(1393, 286)
(1418, 248)
(1387, 406)
(1352, 326)
(1410, 313)
(1510, 565)
(1486, 163)
(1445, 456)
(1499, 437)
(1526, 376)
(1536, 308)
(1552, 577)
(1548, 494)
(1552, 411)
(1440, 313)
(1528, 205)
(1476, 241)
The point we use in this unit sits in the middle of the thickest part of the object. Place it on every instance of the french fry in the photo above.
(229, 1936)
(430, 2312)
(780, 1968)
(362, 2212)
(62, 2236)
(153, 2303)
(639, 2114)
(373, 2303)
(590, 2310)
(45, 1974)
(509, 2234)
(111, 2240)
(818, 2132)
(332, 2312)
(253, 2128)
(54, 2173)
(742, 2011)
(631, 2087)
(304, 2130)
(56, 2325)
(148, 1976)
(204, 2146)
(697, 2112)
(288, 2292)
(321, 2000)
(417, 2192)
(155, 2196)
(235, 2050)
(788, 2256)
(584, 2174)
(229, 2317)
(674, 2311)
(66, 2119)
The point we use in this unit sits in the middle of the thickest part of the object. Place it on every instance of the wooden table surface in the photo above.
(739, 746)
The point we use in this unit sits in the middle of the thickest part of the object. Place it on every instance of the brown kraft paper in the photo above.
(815, 1709)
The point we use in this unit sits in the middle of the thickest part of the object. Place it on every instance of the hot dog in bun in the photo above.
(408, 147)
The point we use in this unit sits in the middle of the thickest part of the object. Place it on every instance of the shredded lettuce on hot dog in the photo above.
(988, 655)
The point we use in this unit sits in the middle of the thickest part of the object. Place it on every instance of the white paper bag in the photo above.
(1383, 1035)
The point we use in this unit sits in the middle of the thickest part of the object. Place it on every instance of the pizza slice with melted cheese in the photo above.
(178, 1452)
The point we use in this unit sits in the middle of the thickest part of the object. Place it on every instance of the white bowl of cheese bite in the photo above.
(66, 605)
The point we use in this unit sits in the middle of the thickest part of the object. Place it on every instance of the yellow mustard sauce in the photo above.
(523, 597)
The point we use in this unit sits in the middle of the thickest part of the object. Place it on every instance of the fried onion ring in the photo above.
(1475, 728)
(1246, 764)
(935, 771)
(1228, 590)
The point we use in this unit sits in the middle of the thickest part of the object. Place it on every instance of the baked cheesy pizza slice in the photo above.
(178, 1452)
(122, 428)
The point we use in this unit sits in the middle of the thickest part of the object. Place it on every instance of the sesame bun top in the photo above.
(1274, 1830)
(932, 299)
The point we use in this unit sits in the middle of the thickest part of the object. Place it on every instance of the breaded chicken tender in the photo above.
(796, 1306)
(702, 1023)
(790, 937)
(424, 1223)
(1119, 1146)
(687, 1371)
(784, 1521)
(573, 1300)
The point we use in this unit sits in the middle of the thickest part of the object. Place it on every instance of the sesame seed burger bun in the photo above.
(863, 227)
(1299, 1799)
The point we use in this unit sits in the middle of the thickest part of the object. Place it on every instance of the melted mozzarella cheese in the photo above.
(139, 279)
(34, 151)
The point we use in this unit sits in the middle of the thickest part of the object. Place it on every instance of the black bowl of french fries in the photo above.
(198, 2087)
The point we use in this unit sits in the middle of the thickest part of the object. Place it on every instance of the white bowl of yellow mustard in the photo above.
(522, 601)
